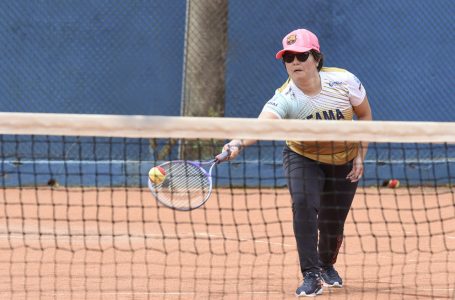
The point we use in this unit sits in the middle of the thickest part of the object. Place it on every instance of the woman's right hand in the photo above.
(233, 147)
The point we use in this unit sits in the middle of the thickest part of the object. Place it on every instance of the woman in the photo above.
(322, 177)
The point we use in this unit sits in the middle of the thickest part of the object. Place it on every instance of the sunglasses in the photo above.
(288, 57)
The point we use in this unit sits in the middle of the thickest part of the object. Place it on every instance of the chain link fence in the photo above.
(166, 57)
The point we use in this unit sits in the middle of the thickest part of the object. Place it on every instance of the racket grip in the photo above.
(223, 156)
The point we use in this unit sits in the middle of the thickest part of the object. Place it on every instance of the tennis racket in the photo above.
(187, 185)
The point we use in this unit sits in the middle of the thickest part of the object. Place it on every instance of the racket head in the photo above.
(187, 185)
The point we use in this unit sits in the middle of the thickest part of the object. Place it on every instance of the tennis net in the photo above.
(78, 221)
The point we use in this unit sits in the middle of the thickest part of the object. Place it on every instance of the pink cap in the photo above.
(300, 40)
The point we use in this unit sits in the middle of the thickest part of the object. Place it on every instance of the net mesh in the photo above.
(78, 221)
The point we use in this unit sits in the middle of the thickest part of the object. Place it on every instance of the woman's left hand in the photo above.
(357, 169)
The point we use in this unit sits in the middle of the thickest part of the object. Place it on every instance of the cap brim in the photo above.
(280, 53)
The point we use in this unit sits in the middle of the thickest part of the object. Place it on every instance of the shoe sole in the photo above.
(310, 295)
(335, 284)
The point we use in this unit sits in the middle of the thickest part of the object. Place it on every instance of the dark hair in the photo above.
(319, 57)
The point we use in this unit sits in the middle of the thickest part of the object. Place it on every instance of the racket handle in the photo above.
(223, 156)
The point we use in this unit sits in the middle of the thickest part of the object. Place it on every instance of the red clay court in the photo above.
(67, 243)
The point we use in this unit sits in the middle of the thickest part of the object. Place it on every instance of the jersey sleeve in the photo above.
(278, 105)
(356, 90)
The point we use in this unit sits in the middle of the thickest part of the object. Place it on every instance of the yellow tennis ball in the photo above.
(157, 175)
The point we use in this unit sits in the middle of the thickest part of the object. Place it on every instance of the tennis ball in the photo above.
(157, 175)
(393, 183)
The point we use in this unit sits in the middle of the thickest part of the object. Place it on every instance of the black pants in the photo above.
(321, 199)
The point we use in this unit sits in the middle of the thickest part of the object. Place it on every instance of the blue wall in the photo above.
(103, 56)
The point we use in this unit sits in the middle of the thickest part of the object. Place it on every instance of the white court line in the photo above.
(204, 234)
(82, 236)
(433, 289)
(47, 234)
(68, 295)
(87, 236)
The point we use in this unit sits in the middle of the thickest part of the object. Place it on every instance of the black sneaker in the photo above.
(311, 286)
(330, 277)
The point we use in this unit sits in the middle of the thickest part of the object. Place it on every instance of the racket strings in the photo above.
(186, 185)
